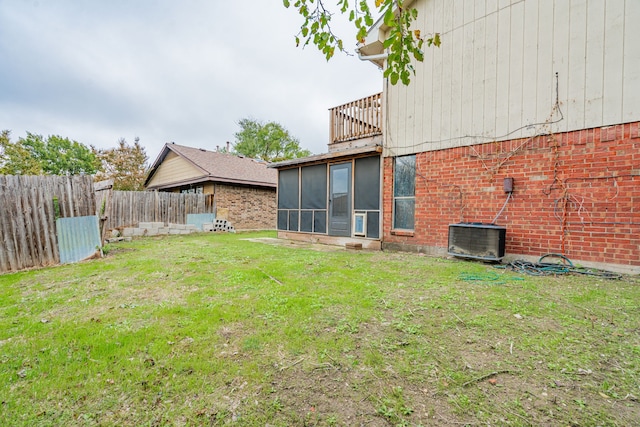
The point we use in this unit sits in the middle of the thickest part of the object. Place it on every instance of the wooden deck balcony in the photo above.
(356, 119)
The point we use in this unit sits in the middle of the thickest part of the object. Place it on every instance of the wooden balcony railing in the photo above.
(357, 119)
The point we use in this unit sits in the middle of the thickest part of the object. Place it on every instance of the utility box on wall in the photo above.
(477, 241)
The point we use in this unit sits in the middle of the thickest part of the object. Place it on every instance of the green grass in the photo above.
(215, 329)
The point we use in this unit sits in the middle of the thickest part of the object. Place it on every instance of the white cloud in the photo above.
(166, 71)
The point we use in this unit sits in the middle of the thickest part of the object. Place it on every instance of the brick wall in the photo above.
(248, 208)
(575, 193)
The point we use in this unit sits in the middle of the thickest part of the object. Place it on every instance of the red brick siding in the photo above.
(576, 193)
(249, 208)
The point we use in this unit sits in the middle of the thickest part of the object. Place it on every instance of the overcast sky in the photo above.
(167, 70)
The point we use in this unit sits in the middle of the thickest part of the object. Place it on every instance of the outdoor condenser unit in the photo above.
(477, 240)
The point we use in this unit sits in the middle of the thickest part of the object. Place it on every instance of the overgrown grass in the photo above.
(219, 330)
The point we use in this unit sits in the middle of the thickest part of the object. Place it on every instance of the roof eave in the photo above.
(212, 179)
(319, 158)
(374, 40)
(163, 153)
(243, 182)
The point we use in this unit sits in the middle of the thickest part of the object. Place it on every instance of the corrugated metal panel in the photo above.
(199, 219)
(78, 238)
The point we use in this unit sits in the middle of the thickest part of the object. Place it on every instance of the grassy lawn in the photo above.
(219, 330)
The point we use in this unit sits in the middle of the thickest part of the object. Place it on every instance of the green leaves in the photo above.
(15, 158)
(389, 16)
(434, 41)
(35, 155)
(125, 164)
(316, 28)
(403, 44)
(270, 142)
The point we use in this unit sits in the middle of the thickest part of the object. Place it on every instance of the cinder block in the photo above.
(207, 226)
(190, 227)
(152, 231)
(157, 224)
(175, 231)
(163, 230)
(145, 225)
(128, 232)
(138, 232)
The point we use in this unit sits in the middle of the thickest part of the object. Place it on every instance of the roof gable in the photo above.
(215, 166)
(173, 169)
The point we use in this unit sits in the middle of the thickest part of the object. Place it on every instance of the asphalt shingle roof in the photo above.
(224, 166)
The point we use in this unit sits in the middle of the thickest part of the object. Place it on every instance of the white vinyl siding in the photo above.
(631, 69)
(173, 170)
(495, 73)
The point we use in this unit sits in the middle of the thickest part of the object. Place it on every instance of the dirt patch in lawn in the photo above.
(296, 244)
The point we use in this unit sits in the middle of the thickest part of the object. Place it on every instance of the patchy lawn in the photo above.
(218, 330)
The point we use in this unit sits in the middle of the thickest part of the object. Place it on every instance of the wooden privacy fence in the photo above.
(29, 207)
(129, 208)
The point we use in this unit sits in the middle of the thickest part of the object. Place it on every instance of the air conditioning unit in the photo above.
(477, 240)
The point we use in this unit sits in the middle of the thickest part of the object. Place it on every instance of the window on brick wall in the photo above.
(404, 192)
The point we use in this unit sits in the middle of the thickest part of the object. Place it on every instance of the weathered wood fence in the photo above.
(129, 208)
(29, 206)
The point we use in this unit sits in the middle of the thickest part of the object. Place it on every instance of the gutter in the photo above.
(371, 57)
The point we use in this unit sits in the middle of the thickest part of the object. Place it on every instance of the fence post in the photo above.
(103, 204)
(70, 197)
(156, 213)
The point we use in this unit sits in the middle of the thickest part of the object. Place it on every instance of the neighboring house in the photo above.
(244, 189)
(539, 96)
